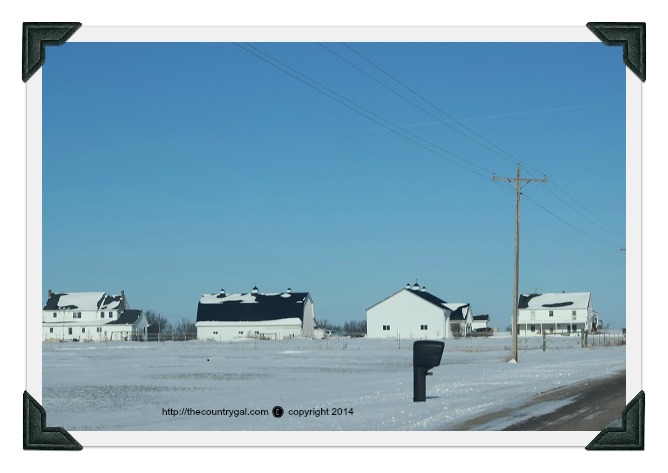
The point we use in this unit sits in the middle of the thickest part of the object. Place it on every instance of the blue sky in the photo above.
(171, 170)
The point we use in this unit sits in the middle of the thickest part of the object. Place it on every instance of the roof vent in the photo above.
(408, 285)
(222, 292)
(289, 291)
(416, 287)
(255, 290)
(424, 289)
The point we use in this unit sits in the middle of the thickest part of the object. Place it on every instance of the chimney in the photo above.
(122, 300)
(49, 295)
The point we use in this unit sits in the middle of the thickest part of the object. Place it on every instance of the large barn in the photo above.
(414, 313)
(274, 316)
(91, 316)
(565, 313)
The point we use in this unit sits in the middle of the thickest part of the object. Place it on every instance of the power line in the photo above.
(406, 99)
(612, 229)
(492, 146)
(578, 229)
(387, 124)
(393, 127)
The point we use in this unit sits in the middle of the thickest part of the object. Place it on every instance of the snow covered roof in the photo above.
(128, 317)
(82, 301)
(457, 310)
(572, 300)
(249, 307)
(481, 317)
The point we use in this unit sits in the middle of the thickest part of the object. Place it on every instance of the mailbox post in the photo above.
(426, 355)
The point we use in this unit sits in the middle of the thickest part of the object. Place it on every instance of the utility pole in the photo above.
(518, 191)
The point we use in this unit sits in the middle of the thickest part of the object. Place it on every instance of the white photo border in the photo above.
(324, 34)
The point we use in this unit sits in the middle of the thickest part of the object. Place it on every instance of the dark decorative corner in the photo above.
(631, 436)
(36, 36)
(37, 436)
(629, 35)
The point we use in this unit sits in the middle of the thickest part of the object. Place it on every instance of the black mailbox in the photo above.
(426, 355)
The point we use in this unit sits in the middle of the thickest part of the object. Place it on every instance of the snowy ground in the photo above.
(131, 386)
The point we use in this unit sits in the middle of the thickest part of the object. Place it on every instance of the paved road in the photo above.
(588, 406)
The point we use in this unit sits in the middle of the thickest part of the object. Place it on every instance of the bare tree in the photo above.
(186, 329)
(158, 327)
(355, 328)
(326, 325)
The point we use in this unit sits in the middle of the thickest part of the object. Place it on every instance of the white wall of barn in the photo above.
(309, 318)
(405, 314)
(275, 330)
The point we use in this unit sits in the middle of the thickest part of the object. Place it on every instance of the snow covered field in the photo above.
(368, 384)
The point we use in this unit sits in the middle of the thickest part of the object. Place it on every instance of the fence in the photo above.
(174, 337)
(605, 339)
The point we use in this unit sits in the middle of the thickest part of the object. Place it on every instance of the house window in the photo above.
(241, 332)
(83, 329)
(215, 333)
(99, 330)
(76, 315)
(423, 327)
(55, 314)
(551, 313)
(102, 315)
(574, 315)
(51, 330)
(386, 327)
(533, 328)
(533, 315)
(111, 315)
(69, 330)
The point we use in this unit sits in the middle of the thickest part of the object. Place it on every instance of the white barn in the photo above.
(414, 313)
(275, 316)
(91, 316)
(564, 313)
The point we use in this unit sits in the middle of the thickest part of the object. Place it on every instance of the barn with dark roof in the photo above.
(275, 316)
(414, 313)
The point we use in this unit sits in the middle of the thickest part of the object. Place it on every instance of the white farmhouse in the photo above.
(275, 316)
(414, 313)
(91, 316)
(565, 313)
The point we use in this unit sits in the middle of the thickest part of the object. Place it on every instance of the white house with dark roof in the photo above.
(414, 313)
(565, 313)
(480, 321)
(274, 316)
(91, 316)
